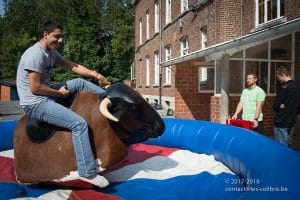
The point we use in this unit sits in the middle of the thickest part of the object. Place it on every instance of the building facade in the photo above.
(192, 56)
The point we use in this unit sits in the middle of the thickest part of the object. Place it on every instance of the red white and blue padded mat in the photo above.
(148, 172)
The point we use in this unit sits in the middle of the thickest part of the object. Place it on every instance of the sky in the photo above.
(1, 7)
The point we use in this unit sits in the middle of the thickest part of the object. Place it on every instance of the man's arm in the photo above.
(279, 100)
(258, 110)
(238, 109)
(38, 88)
(83, 71)
(259, 105)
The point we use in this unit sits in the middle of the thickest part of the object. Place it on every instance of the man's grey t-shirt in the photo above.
(37, 59)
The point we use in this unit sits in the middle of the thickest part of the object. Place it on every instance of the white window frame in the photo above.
(168, 11)
(156, 69)
(147, 25)
(184, 6)
(168, 68)
(141, 31)
(147, 71)
(266, 11)
(184, 46)
(156, 17)
(204, 37)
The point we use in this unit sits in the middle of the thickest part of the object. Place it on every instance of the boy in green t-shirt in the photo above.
(251, 103)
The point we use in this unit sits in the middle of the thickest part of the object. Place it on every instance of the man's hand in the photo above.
(104, 84)
(102, 81)
(282, 106)
(234, 116)
(63, 92)
(255, 123)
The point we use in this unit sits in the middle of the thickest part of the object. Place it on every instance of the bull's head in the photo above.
(133, 118)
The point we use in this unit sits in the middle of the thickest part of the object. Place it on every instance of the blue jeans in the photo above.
(283, 135)
(54, 113)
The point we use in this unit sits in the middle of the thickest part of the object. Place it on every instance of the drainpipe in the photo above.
(160, 54)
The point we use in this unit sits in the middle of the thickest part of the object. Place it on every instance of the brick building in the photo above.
(8, 91)
(192, 56)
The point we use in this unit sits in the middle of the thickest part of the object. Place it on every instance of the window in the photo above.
(184, 5)
(147, 25)
(207, 78)
(156, 17)
(168, 68)
(282, 48)
(147, 71)
(260, 68)
(236, 77)
(263, 59)
(184, 46)
(168, 11)
(204, 37)
(258, 52)
(141, 32)
(156, 69)
(267, 10)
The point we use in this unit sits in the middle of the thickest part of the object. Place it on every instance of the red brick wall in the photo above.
(268, 116)
(292, 9)
(215, 109)
(190, 103)
(5, 93)
(229, 20)
(247, 16)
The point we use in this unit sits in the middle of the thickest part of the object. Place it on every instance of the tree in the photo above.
(121, 27)
(99, 34)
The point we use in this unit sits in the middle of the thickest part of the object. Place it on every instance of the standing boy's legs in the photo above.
(281, 135)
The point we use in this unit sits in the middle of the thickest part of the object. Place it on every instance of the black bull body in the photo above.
(127, 118)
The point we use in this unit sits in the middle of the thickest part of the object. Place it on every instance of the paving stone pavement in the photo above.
(10, 110)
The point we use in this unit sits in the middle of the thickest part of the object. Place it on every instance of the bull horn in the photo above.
(104, 109)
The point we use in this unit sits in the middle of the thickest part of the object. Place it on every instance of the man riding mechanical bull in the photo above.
(102, 122)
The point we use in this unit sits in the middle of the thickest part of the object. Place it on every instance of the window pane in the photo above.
(274, 83)
(237, 55)
(207, 85)
(261, 70)
(260, 51)
(184, 43)
(203, 75)
(236, 76)
(281, 48)
(274, 9)
(282, 8)
(261, 11)
(269, 7)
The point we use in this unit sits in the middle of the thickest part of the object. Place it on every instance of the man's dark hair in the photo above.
(253, 74)
(50, 26)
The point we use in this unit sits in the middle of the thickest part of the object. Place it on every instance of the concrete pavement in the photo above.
(10, 110)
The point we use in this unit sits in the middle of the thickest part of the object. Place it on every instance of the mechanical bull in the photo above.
(125, 118)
